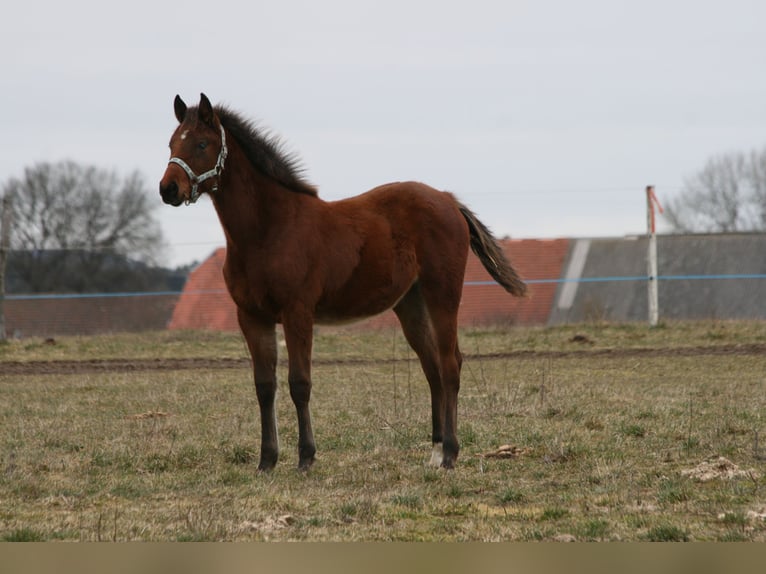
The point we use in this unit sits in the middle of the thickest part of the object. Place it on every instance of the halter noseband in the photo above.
(197, 179)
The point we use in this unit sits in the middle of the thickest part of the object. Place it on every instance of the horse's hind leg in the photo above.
(450, 360)
(262, 343)
(442, 299)
(416, 324)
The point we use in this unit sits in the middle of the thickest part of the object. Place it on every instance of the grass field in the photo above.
(607, 429)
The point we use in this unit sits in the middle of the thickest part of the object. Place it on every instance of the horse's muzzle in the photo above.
(170, 195)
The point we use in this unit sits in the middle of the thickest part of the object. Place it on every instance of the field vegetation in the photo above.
(580, 433)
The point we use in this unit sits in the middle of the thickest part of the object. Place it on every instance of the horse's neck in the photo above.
(250, 206)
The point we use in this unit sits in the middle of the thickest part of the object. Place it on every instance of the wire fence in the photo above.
(618, 278)
(610, 298)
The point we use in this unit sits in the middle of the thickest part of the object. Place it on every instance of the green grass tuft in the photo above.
(666, 533)
(24, 535)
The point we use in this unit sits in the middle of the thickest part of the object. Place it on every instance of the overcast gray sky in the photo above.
(547, 118)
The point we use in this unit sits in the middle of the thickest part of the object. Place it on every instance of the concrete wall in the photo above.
(678, 255)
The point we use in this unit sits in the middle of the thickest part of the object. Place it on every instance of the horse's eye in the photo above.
(202, 145)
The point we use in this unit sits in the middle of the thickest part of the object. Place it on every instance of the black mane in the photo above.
(265, 152)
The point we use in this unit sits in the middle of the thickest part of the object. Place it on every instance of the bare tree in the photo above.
(728, 194)
(78, 222)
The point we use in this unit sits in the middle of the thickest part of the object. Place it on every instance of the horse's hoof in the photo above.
(305, 464)
(448, 463)
(437, 455)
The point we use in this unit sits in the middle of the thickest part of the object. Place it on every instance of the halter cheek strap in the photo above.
(197, 179)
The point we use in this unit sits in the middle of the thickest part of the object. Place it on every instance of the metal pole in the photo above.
(5, 240)
(654, 309)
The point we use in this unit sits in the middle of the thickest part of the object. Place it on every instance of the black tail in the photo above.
(485, 246)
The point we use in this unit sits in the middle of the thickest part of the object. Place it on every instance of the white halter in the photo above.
(197, 179)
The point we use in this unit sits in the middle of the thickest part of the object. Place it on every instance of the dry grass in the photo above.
(602, 443)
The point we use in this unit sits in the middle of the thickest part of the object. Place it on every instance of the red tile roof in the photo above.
(533, 259)
(205, 303)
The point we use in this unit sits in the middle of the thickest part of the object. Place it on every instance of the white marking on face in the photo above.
(437, 455)
(183, 135)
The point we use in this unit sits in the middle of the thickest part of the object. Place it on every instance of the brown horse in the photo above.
(294, 259)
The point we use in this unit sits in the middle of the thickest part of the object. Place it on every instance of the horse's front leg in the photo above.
(299, 337)
(262, 343)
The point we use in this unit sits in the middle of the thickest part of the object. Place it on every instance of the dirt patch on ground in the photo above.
(73, 367)
(719, 468)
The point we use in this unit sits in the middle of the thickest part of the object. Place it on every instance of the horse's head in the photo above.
(197, 153)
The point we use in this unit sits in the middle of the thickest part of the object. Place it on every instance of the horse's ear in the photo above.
(205, 110)
(180, 108)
